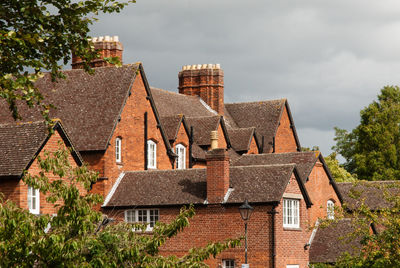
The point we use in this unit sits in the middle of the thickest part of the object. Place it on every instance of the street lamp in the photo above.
(245, 211)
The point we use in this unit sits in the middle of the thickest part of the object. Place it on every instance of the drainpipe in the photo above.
(273, 238)
(191, 147)
(145, 141)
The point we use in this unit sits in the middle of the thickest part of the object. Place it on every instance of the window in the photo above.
(228, 263)
(33, 200)
(292, 266)
(145, 216)
(151, 154)
(291, 212)
(118, 150)
(330, 210)
(181, 160)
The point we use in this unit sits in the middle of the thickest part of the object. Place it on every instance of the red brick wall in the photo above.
(284, 139)
(131, 130)
(253, 147)
(17, 190)
(320, 191)
(290, 242)
(217, 223)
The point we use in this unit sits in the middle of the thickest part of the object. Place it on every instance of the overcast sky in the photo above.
(328, 58)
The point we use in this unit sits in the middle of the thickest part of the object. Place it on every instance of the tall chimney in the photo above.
(109, 46)
(205, 81)
(217, 175)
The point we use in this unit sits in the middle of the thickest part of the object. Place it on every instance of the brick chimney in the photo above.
(109, 47)
(205, 81)
(217, 175)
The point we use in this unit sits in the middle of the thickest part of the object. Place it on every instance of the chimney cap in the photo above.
(201, 66)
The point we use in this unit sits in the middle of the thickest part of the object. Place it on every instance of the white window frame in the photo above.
(118, 150)
(330, 210)
(180, 150)
(33, 200)
(134, 215)
(228, 263)
(151, 154)
(291, 213)
(292, 266)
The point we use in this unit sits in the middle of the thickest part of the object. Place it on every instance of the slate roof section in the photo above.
(258, 184)
(202, 127)
(374, 194)
(263, 115)
(171, 125)
(304, 161)
(171, 103)
(81, 102)
(20, 143)
(241, 138)
(331, 242)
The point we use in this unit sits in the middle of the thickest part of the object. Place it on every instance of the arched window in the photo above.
(118, 145)
(330, 210)
(180, 150)
(151, 154)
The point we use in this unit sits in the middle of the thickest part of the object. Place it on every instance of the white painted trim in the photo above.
(228, 193)
(293, 196)
(314, 231)
(113, 189)
(207, 106)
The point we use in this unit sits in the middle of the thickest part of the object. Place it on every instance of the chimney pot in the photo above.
(94, 39)
(107, 38)
(204, 66)
(101, 38)
(116, 38)
(214, 140)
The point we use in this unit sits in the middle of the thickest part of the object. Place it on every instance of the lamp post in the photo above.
(245, 211)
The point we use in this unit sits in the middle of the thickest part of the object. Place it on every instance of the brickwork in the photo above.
(17, 190)
(217, 175)
(205, 82)
(290, 242)
(284, 138)
(253, 147)
(131, 131)
(320, 191)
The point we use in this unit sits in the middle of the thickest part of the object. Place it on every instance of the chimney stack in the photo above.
(217, 175)
(205, 81)
(109, 46)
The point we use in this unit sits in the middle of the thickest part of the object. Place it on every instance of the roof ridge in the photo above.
(251, 102)
(16, 123)
(164, 170)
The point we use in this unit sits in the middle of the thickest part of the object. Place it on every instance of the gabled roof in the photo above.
(331, 242)
(372, 193)
(88, 105)
(171, 125)
(304, 161)
(202, 127)
(258, 184)
(263, 115)
(241, 138)
(21, 143)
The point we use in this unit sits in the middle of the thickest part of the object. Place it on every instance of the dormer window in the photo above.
(118, 144)
(180, 150)
(330, 210)
(33, 200)
(151, 154)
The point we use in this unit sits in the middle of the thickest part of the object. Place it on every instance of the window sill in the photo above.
(297, 229)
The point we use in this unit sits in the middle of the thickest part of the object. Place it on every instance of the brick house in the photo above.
(154, 153)
(20, 145)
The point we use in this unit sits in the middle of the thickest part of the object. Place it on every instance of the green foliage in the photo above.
(80, 236)
(338, 172)
(372, 149)
(40, 35)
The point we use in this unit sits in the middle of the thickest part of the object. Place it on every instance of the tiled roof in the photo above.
(171, 103)
(202, 127)
(304, 161)
(88, 105)
(258, 184)
(372, 193)
(263, 115)
(171, 125)
(19, 144)
(241, 138)
(331, 242)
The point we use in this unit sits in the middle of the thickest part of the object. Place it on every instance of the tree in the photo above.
(39, 35)
(372, 149)
(79, 236)
(338, 172)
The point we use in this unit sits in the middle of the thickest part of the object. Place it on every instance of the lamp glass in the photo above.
(245, 210)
